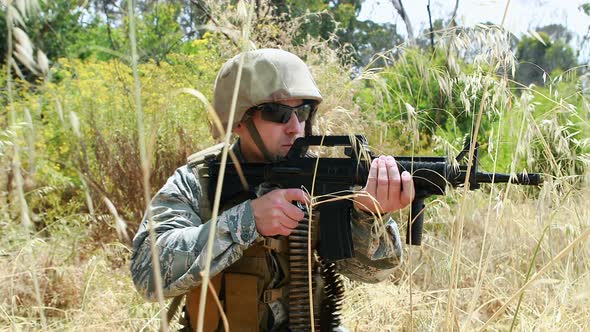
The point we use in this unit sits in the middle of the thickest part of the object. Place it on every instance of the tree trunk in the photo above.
(399, 7)
(453, 23)
(431, 29)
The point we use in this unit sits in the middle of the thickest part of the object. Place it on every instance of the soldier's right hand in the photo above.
(275, 213)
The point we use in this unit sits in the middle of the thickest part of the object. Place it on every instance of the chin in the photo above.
(282, 154)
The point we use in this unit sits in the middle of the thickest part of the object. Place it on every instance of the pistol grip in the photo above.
(415, 222)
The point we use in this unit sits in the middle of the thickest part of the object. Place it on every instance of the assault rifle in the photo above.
(337, 176)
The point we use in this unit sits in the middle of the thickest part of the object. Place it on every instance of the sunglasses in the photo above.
(280, 113)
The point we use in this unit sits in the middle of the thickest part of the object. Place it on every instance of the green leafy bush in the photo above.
(85, 129)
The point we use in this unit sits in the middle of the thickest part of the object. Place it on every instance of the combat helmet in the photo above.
(268, 75)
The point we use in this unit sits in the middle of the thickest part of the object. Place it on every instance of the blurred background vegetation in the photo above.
(71, 182)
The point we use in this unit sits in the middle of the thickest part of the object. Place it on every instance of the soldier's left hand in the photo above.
(390, 189)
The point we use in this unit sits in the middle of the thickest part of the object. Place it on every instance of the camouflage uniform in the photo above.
(182, 239)
(182, 233)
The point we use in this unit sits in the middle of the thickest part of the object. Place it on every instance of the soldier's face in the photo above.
(277, 137)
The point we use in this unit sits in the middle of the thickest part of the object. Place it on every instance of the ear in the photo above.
(239, 129)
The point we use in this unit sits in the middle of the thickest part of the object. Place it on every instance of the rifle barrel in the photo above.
(520, 178)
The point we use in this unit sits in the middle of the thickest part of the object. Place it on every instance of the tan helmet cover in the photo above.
(268, 75)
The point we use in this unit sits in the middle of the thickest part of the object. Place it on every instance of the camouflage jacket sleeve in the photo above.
(377, 250)
(182, 237)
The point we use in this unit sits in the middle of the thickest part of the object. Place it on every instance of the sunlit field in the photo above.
(522, 262)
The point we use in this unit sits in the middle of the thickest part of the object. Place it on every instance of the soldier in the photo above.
(276, 104)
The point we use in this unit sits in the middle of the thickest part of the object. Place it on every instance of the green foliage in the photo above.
(3, 33)
(299, 7)
(423, 100)
(316, 21)
(328, 19)
(541, 56)
(563, 147)
(61, 29)
(56, 30)
(86, 129)
(431, 102)
(556, 32)
(72, 29)
(159, 33)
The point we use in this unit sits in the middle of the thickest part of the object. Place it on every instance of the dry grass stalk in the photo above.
(20, 50)
(145, 168)
(246, 15)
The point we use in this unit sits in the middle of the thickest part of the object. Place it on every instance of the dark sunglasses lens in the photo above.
(282, 113)
(303, 112)
(271, 112)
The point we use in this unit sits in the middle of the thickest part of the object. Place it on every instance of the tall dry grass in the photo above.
(491, 273)
(93, 291)
(497, 259)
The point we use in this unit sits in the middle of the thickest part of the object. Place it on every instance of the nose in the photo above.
(294, 126)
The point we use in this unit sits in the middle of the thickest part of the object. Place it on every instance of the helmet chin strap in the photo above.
(257, 139)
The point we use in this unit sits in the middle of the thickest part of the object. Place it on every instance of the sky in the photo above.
(523, 15)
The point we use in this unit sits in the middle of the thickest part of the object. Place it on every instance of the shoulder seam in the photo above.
(199, 157)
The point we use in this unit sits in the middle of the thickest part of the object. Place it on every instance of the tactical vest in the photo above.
(243, 287)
